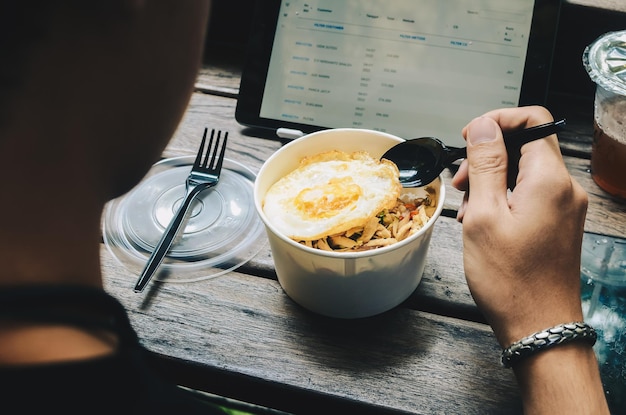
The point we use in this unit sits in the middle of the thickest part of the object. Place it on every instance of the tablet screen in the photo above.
(406, 67)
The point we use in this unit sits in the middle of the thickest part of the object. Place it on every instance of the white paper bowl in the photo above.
(344, 284)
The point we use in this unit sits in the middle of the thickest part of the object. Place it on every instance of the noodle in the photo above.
(386, 228)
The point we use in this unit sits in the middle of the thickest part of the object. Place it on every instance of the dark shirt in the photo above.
(123, 383)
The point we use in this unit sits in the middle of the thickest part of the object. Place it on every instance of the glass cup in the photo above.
(603, 290)
(605, 62)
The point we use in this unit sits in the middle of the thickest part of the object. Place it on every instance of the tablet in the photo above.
(411, 68)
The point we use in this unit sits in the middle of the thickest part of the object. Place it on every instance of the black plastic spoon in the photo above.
(421, 160)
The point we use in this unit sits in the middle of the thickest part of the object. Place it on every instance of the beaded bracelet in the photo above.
(563, 333)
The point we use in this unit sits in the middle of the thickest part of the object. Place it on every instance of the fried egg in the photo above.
(330, 193)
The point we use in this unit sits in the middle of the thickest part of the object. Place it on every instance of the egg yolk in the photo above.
(328, 199)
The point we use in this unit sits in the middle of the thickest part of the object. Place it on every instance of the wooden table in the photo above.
(240, 336)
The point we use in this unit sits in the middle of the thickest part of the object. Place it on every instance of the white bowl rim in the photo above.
(349, 254)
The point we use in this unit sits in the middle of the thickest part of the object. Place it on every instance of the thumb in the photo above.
(487, 161)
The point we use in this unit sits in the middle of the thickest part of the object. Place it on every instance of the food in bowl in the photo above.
(340, 201)
(344, 284)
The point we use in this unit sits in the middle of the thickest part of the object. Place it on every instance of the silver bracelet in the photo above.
(563, 333)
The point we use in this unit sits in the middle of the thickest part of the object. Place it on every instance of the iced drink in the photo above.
(605, 61)
(608, 157)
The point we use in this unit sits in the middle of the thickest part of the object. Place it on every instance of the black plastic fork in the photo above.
(204, 174)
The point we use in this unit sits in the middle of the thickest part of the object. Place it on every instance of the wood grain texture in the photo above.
(240, 333)
(606, 214)
(443, 286)
(611, 5)
(403, 360)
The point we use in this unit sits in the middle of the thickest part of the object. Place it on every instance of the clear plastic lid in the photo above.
(605, 61)
(222, 232)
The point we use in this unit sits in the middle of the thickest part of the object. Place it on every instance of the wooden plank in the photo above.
(244, 328)
(443, 288)
(612, 5)
(607, 215)
(403, 360)
(218, 112)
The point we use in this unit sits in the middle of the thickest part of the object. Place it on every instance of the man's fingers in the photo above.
(460, 180)
(487, 161)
